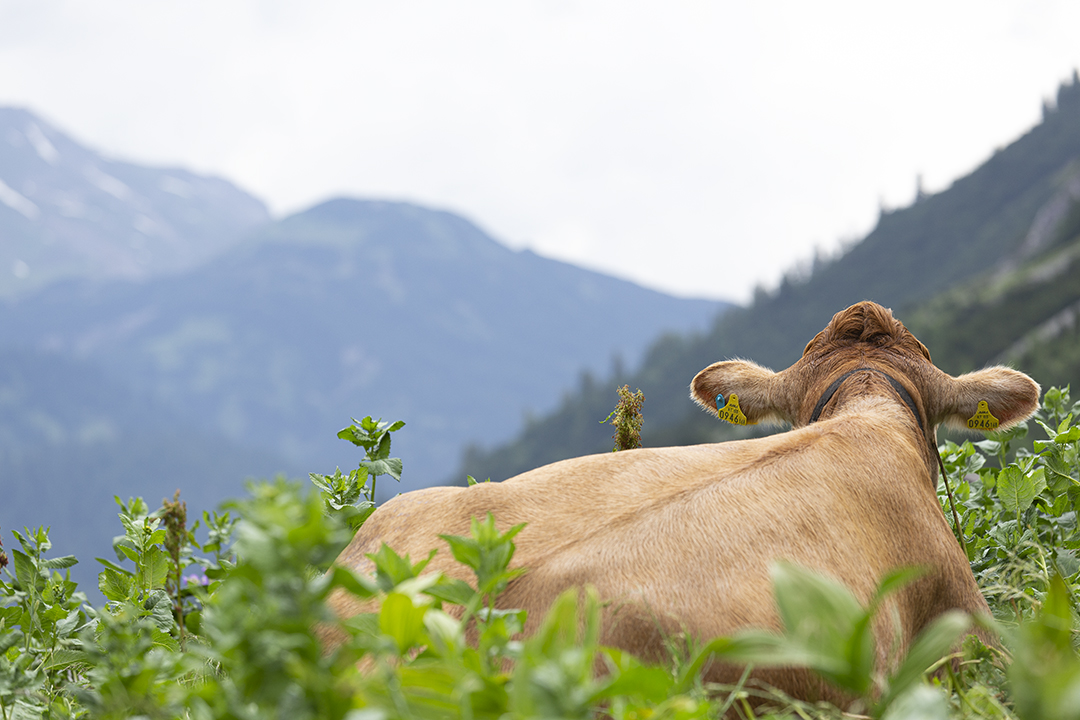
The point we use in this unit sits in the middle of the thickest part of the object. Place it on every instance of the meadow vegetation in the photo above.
(214, 620)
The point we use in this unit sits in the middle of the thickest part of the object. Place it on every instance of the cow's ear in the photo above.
(994, 398)
(759, 392)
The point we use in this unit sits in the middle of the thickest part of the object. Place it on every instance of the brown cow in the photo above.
(682, 538)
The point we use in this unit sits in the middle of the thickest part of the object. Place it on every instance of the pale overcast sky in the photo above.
(699, 148)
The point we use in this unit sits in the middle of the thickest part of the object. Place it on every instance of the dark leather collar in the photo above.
(904, 395)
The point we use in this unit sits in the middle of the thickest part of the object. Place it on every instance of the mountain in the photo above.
(72, 438)
(1025, 311)
(985, 271)
(158, 331)
(354, 308)
(65, 211)
(70, 435)
(250, 362)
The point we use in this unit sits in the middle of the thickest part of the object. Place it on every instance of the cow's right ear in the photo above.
(994, 398)
(759, 393)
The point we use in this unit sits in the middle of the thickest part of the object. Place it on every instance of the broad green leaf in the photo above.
(115, 586)
(651, 684)
(26, 710)
(921, 702)
(1058, 474)
(809, 601)
(894, 581)
(1045, 672)
(499, 626)
(161, 610)
(452, 590)
(25, 572)
(363, 512)
(114, 566)
(861, 657)
(559, 629)
(367, 623)
(9, 639)
(68, 623)
(416, 586)
(932, 644)
(59, 563)
(154, 568)
(1038, 479)
(392, 569)
(9, 616)
(128, 550)
(382, 450)
(353, 435)
(163, 639)
(445, 632)
(755, 647)
(1056, 613)
(383, 466)
(53, 614)
(465, 550)
(361, 586)
(321, 481)
(1015, 489)
(488, 552)
(824, 620)
(64, 657)
(1071, 435)
(402, 620)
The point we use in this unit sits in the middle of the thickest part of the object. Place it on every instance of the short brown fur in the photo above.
(682, 538)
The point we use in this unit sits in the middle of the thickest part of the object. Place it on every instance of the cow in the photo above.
(681, 539)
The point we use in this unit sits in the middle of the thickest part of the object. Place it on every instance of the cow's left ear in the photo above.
(995, 398)
(760, 393)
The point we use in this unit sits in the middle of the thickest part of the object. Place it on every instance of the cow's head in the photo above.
(866, 335)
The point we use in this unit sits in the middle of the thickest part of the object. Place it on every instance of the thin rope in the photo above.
(952, 504)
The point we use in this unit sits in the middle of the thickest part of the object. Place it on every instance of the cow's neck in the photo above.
(900, 390)
(927, 437)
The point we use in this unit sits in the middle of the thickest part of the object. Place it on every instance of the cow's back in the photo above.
(683, 538)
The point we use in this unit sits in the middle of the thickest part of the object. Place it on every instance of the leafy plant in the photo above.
(1020, 519)
(225, 629)
(41, 617)
(343, 493)
(1045, 675)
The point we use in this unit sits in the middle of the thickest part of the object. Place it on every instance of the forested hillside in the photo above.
(984, 271)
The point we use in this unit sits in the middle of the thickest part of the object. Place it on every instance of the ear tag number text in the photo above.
(982, 419)
(731, 412)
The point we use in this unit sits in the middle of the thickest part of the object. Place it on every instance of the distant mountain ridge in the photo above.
(236, 346)
(66, 211)
(357, 307)
(71, 438)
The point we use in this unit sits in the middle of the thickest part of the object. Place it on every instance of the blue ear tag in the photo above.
(731, 412)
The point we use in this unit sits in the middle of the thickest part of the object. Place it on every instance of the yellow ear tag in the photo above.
(982, 419)
(730, 412)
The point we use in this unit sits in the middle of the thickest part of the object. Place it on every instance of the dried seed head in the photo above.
(175, 519)
(627, 419)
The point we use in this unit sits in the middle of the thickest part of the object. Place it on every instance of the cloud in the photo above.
(656, 140)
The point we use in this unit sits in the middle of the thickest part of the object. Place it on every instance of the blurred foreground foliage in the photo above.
(221, 627)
